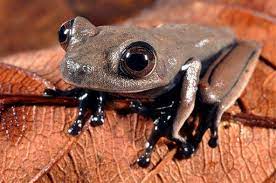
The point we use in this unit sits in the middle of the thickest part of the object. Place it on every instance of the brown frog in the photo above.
(180, 68)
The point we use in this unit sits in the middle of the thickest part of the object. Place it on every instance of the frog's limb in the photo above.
(191, 72)
(187, 101)
(187, 97)
(222, 84)
(144, 159)
(87, 100)
(78, 124)
(98, 117)
(161, 127)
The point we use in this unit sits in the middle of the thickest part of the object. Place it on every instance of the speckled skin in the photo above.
(200, 69)
(98, 50)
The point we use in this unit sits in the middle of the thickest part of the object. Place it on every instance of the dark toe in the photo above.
(75, 129)
(186, 150)
(96, 120)
(143, 161)
(213, 142)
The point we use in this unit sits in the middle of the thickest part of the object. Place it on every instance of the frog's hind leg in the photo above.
(221, 86)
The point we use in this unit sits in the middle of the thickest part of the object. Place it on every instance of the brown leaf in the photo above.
(107, 153)
(31, 138)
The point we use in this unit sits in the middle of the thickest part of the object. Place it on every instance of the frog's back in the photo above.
(175, 44)
(196, 40)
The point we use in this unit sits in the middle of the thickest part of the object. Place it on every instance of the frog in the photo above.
(182, 69)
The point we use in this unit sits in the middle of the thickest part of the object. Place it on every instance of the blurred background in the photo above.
(32, 24)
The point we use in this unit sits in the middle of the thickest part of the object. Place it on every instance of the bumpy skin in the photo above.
(198, 70)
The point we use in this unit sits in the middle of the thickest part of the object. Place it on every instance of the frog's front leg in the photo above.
(222, 84)
(187, 101)
(79, 122)
(160, 129)
(98, 116)
(88, 99)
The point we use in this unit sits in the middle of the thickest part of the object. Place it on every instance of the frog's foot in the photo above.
(210, 120)
(186, 147)
(144, 159)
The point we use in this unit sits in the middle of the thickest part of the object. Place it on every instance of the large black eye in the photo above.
(138, 60)
(64, 33)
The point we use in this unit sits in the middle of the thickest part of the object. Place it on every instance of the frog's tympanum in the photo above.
(183, 69)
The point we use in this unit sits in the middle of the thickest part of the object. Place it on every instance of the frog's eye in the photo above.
(138, 60)
(64, 33)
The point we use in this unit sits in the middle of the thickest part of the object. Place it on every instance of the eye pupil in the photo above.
(138, 60)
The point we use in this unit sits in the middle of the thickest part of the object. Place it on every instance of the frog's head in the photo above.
(123, 59)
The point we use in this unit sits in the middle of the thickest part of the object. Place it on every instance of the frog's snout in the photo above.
(76, 68)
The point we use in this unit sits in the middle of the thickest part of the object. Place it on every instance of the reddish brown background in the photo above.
(34, 145)
(33, 24)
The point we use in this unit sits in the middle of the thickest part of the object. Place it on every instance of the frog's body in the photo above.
(174, 46)
(177, 64)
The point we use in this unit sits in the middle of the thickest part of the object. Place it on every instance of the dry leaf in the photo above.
(107, 153)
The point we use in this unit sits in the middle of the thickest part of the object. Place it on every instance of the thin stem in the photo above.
(10, 100)
(15, 100)
(249, 119)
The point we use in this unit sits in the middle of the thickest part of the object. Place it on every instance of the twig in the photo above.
(247, 119)
(251, 120)
(10, 100)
